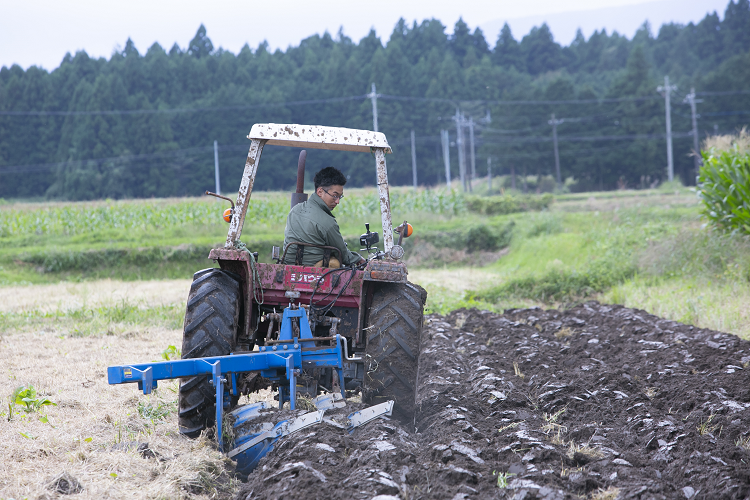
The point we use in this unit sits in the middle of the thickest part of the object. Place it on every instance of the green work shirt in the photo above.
(312, 222)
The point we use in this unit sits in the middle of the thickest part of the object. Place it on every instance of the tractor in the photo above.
(374, 311)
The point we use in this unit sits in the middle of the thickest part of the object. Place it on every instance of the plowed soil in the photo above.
(593, 402)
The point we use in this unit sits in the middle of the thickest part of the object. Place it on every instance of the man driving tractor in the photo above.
(313, 222)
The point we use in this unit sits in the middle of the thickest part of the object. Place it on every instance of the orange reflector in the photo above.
(228, 215)
(409, 230)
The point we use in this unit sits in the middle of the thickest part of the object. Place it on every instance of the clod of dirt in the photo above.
(141, 448)
(145, 451)
(65, 484)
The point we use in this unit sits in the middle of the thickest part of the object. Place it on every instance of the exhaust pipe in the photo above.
(300, 196)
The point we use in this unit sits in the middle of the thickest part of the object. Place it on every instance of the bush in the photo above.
(488, 238)
(475, 238)
(724, 186)
(498, 205)
(52, 261)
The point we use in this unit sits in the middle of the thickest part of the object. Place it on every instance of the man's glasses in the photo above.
(334, 195)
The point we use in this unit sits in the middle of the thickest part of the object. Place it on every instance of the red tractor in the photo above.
(235, 309)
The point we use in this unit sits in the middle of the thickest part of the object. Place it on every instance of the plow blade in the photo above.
(253, 442)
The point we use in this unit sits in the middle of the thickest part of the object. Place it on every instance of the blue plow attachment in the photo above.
(280, 363)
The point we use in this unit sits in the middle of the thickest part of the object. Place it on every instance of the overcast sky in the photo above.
(40, 32)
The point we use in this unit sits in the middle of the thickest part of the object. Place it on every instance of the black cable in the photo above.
(325, 309)
(343, 99)
(320, 280)
(180, 110)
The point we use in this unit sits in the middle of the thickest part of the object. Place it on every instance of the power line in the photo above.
(727, 92)
(322, 101)
(514, 103)
(40, 167)
(725, 113)
(537, 154)
(592, 138)
(181, 110)
(355, 98)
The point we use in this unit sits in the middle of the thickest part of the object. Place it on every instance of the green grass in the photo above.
(104, 320)
(562, 257)
(720, 305)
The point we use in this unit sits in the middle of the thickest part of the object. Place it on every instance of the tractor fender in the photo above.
(238, 262)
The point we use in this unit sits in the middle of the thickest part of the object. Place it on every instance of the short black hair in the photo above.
(329, 176)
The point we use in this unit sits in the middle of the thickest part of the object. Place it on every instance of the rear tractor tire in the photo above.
(210, 329)
(394, 328)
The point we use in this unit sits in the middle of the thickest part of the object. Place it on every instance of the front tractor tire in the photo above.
(210, 329)
(394, 328)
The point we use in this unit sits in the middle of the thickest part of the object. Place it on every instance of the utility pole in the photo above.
(413, 159)
(461, 149)
(489, 175)
(374, 98)
(513, 177)
(216, 167)
(445, 139)
(666, 91)
(690, 98)
(554, 122)
(472, 154)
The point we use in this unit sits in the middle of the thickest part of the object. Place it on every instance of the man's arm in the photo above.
(335, 239)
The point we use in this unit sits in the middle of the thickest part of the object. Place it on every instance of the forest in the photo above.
(143, 122)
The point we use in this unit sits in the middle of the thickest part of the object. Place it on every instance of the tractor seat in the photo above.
(327, 260)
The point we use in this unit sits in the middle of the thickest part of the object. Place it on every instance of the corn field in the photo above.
(87, 217)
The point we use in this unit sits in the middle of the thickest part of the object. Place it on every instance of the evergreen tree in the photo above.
(540, 51)
(507, 52)
(736, 27)
(200, 45)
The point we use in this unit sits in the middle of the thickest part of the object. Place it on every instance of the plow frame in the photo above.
(280, 363)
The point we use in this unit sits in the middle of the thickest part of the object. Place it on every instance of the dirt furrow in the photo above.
(595, 400)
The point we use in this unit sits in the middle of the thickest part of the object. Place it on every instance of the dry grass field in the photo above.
(92, 434)
(71, 295)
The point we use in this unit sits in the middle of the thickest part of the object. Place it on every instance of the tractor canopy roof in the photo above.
(319, 137)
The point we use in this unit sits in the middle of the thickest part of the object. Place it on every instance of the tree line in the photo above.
(143, 124)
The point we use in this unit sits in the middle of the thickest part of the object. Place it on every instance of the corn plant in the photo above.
(724, 187)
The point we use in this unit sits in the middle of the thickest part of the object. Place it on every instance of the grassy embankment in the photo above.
(648, 250)
(645, 249)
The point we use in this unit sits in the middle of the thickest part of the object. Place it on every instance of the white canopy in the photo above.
(319, 137)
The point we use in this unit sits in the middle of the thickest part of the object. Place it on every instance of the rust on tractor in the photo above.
(386, 271)
(246, 188)
(385, 199)
(319, 137)
(228, 254)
